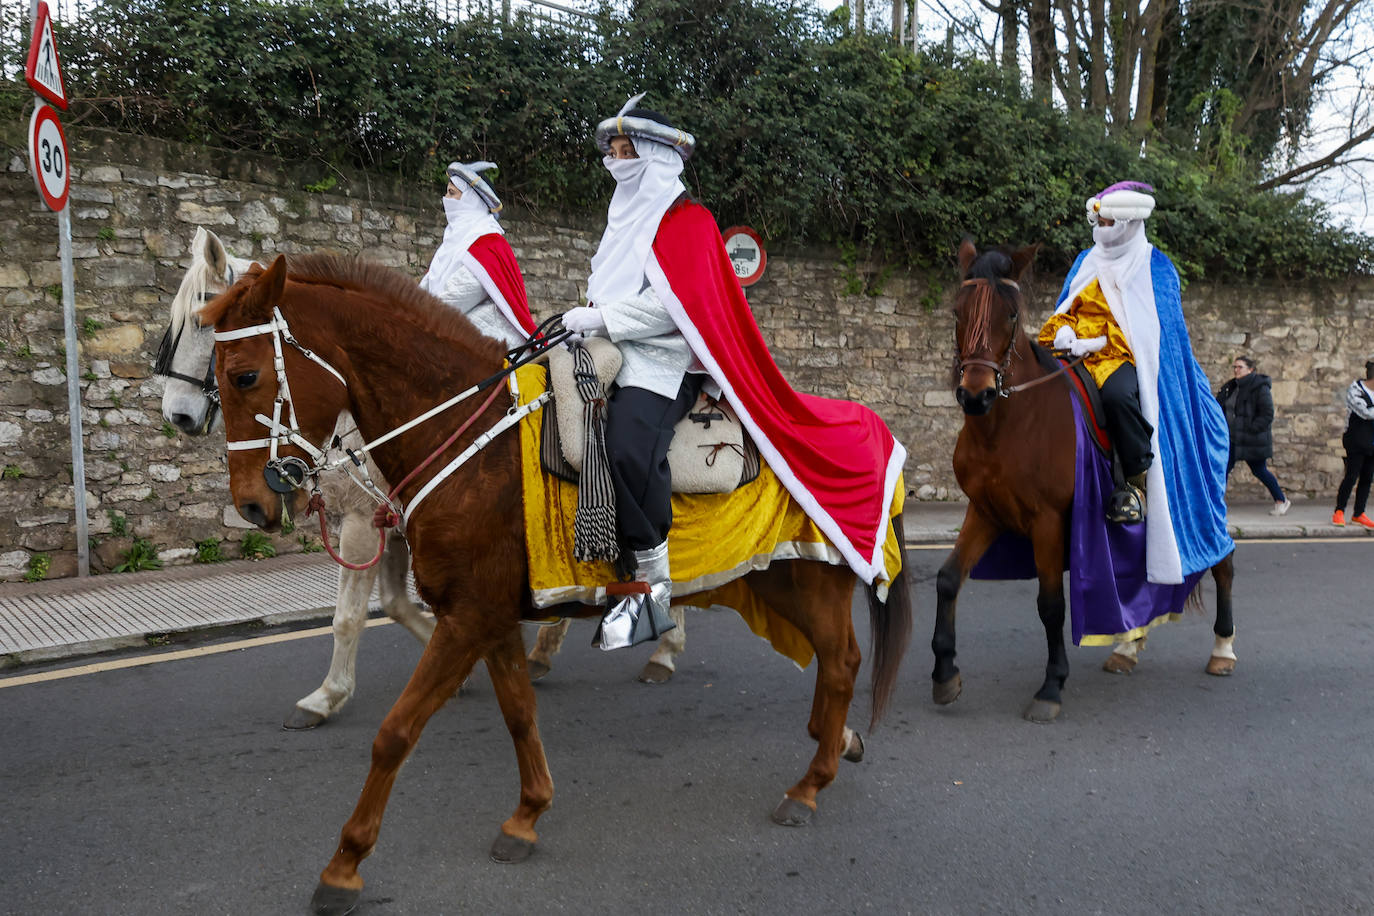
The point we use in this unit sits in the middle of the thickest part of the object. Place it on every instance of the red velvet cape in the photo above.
(500, 276)
(836, 458)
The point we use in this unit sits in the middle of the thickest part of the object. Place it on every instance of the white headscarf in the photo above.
(645, 188)
(468, 220)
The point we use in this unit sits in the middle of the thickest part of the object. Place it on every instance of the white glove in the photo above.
(585, 320)
(1064, 337)
(1080, 347)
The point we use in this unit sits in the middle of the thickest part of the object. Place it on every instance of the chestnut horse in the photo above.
(190, 401)
(365, 339)
(1015, 460)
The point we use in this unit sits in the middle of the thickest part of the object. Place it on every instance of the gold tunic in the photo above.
(1090, 316)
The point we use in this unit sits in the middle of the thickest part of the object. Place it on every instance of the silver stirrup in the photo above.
(642, 614)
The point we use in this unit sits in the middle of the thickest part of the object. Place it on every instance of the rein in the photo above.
(980, 333)
(283, 475)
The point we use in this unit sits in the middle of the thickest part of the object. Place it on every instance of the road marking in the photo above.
(116, 664)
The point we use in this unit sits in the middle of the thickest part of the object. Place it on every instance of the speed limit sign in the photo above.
(48, 157)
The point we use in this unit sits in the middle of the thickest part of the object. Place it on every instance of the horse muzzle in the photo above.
(975, 405)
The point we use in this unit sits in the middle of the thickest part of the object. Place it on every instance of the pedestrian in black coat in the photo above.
(1359, 449)
(1249, 407)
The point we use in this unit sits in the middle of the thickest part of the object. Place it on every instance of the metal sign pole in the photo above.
(64, 248)
(83, 538)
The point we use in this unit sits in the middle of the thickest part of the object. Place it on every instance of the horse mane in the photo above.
(356, 273)
(992, 265)
(191, 293)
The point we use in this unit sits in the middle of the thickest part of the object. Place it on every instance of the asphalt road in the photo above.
(171, 788)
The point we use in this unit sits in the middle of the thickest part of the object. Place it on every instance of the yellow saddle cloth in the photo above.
(715, 539)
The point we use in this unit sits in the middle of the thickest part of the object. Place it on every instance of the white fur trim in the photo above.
(494, 291)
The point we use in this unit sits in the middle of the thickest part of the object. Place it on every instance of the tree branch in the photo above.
(1316, 166)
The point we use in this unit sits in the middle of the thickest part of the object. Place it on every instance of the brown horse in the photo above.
(1015, 460)
(393, 348)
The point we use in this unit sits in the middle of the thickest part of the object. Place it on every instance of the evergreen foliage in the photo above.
(806, 131)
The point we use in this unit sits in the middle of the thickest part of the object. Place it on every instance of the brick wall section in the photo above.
(136, 204)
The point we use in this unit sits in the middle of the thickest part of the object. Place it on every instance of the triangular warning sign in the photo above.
(44, 70)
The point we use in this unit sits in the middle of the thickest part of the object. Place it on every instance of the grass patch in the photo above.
(142, 555)
(39, 564)
(207, 551)
(256, 546)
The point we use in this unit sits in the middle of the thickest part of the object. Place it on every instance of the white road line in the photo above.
(116, 664)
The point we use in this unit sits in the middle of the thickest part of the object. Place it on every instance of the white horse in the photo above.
(190, 402)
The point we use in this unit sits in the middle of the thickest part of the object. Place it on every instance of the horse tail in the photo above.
(890, 622)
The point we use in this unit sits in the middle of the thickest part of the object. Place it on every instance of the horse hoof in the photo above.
(654, 673)
(510, 850)
(302, 719)
(1041, 712)
(333, 901)
(1117, 663)
(1221, 667)
(854, 752)
(792, 813)
(949, 691)
(537, 669)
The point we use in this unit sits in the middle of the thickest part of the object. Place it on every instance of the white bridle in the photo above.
(293, 472)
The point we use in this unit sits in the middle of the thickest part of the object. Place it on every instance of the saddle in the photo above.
(710, 452)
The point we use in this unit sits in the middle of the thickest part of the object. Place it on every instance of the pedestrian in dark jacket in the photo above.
(1249, 408)
(1359, 448)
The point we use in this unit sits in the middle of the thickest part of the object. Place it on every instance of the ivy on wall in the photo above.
(806, 131)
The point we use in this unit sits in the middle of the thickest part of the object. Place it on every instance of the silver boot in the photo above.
(641, 616)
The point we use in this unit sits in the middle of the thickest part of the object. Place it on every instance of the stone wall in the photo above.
(136, 204)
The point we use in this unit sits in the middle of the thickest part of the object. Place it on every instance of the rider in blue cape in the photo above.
(1121, 310)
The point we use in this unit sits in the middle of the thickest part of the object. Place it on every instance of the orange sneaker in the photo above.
(1338, 518)
(1363, 520)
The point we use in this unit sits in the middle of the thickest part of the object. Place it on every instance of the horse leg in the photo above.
(391, 584)
(446, 661)
(1223, 660)
(357, 544)
(1048, 537)
(515, 692)
(662, 663)
(1125, 655)
(816, 598)
(546, 646)
(853, 742)
(975, 536)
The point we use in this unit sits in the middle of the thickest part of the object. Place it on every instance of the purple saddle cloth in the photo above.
(1109, 595)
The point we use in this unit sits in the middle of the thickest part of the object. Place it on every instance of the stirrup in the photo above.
(1126, 505)
(640, 615)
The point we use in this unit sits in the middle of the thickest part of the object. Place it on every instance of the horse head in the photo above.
(279, 400)
(987, 322)
(190, 400)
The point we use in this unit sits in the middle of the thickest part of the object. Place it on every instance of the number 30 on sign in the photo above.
(48, 157)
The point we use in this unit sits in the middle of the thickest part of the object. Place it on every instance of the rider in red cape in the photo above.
(663, 290)
(474, 270)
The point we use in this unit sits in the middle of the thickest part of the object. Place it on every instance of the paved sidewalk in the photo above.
(70, 617)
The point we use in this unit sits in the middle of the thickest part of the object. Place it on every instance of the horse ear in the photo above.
(967, 254)
(213, 250)
(266, 291)
(1022, 258)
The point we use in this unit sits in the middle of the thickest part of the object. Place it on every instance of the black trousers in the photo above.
(639, 429)
(1127, 426)
(1357, 467)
